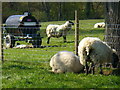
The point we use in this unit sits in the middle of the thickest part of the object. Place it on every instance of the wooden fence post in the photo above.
(1, 39)
(76, 32)
(0, 45)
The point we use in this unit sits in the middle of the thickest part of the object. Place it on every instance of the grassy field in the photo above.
(28, 68)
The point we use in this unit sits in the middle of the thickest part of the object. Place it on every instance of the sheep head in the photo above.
(69, 23)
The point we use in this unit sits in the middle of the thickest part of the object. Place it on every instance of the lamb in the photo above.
(58, 30)
(99, 25)
(92, 49)
(65, 61)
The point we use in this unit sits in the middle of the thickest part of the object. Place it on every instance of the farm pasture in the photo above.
(29, 68)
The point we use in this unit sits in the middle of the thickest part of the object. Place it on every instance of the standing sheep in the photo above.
(58, 30)
(65, 61)
(94, 50)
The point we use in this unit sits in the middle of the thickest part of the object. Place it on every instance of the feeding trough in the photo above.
(22, 28)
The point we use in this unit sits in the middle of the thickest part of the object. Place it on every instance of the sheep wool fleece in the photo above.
(65, 61)
(98, 51)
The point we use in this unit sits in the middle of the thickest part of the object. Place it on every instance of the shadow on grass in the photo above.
(53, 46)
(56, 45)
(15, 66)
(70, 41)
(19, 67)
(92, 31)
(115, 71)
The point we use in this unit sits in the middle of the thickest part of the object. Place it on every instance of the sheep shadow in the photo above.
(52, 46)
(115, 71)
(70, 41)
(18, 67)
(56, 45)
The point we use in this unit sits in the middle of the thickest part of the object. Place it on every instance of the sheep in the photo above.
(92, 49)
(65, 61)
(99, 25)
(22, 46)
(57, 31)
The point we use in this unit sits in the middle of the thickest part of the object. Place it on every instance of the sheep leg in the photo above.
(93, 68)
(86, 67)
(64, 39)
(48, 40)
(111, 66)
(90, 68)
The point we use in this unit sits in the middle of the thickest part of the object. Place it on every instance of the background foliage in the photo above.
(52, 11)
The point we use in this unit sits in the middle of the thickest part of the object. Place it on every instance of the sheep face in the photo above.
(71, 22)
(68, 24)
(56, 64)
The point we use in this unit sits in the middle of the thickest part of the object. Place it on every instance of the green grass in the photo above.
(34, 75)
(29, 68)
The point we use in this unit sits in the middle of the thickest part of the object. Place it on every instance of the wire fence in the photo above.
(18, 46)
(23, 49)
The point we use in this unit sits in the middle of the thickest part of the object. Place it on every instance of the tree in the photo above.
(51, 11)
(46, 7)
(60, 11)
(112, 18)
(88, 9)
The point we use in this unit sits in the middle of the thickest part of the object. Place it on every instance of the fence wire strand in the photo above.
(10, 54)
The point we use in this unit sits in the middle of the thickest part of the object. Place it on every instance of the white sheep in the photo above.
(65, 61)
(23, 46)
(58, 30)
(99, 25)
(92, 49)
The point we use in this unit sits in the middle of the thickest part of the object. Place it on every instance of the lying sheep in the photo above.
(58, 30)
(65, 61)
(22, 46)
(99, 25)
(94, 50)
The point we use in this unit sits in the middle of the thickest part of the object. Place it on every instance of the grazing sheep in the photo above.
(58, 30)
(65, 61)
(94, 50)
(99, 25)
